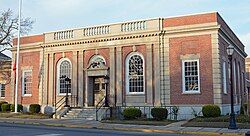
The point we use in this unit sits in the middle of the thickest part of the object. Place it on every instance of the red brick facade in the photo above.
(205, 36)
(191, 45)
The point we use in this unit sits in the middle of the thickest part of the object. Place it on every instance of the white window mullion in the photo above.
(27, 83)
(63, 69)
(190, 76)
(224, 78)
(2, 89)
(135, 74)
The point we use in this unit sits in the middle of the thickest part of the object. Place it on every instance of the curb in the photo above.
(126, 129)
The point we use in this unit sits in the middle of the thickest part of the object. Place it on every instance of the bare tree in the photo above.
(9, 27)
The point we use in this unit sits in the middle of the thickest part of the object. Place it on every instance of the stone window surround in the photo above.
(188, 58)
(58, 75)
(126, 73)
(1, 89)
(24, 71)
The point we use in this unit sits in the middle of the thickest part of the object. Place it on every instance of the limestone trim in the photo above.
(28, 50)
(190, 56)
(104, 39)
(46, 75)
(112, 77)
(191, 33)
(119, 77)
(216, 69)
(231, 42)
(27, 68)
(166, 71)
(104, 45)
(149, 73)
(156, 52)
(51, 78)
(41, 78)
(74, 73)
(81, 81)
(27, 46)
(196, 27)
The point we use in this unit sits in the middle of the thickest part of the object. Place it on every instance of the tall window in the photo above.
(239, 83)
(27, 83)
(235, 83)
(190, 76)
(2, 89)
(224, 78)
(63, 70)
(135, 74)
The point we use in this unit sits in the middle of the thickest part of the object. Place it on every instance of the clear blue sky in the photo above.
(51, 15)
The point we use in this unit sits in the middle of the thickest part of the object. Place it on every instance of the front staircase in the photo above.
(88, 113)
(97, 112)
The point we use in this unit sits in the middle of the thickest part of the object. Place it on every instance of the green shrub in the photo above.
(131, 113)
(19, 107)
(34, 108)
(211, 111)
(2, 102)
(5, 107)
(159, 113)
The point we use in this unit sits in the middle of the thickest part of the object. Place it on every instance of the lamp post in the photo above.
(67, 81)
(106, 80)
(232, 123)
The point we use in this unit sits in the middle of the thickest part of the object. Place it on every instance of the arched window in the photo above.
(63, 70)
(135, 74)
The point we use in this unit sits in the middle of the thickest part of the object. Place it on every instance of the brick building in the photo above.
(5, 76)
(177, 61)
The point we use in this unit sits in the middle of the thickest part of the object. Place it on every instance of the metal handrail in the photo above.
(97, 107)
(57, 107)
(145, 109)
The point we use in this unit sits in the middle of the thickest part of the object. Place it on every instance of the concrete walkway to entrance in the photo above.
(174, 128)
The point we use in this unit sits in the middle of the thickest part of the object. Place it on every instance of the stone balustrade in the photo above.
(104, 30)
(133, 26)
(64, 35)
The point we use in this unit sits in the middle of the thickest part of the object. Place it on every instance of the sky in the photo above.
(53, 15)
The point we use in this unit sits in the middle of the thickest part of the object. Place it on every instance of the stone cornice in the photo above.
(102, 39)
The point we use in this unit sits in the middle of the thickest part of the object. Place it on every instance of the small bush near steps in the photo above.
(34, 108)
(19, 107)
(5, 107)
(211, 110)
(159, 113)
(131, 113)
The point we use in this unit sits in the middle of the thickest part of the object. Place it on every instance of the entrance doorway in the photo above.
(96, 90)
(99, 89)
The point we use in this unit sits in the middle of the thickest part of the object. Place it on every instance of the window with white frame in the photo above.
(135, 74)
(63, 70)
(224, 78)
(190, 76)
(27, 82)
(235, 83)
(2, 89)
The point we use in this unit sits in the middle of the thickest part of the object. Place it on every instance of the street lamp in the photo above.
(106, 81)
(67, 81)
(232, 125)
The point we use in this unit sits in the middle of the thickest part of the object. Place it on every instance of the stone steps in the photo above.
(85, 113)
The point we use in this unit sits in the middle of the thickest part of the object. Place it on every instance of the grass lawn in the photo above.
(23, 115)
(242, 121)
(139, 122)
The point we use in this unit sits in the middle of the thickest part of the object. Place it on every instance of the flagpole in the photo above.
(18, 53)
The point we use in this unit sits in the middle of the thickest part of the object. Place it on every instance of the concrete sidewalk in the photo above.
(174, 128)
